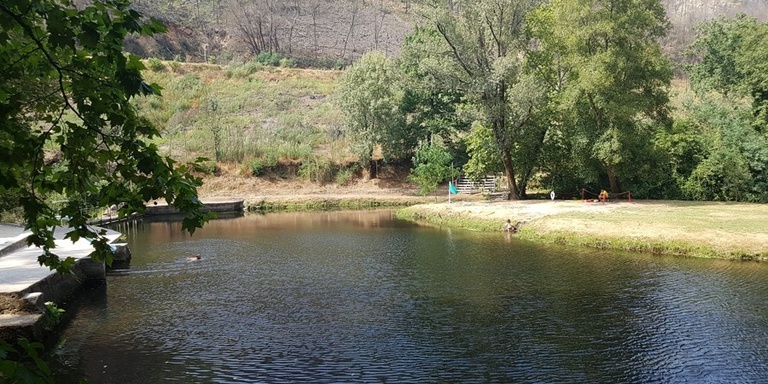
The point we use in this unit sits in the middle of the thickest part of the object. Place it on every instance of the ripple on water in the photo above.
(338, 302)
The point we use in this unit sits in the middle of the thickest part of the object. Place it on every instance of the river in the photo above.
(361, 297)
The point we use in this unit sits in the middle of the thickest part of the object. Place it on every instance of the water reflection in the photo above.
(362, 297)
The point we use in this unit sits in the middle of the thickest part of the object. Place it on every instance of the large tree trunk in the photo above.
(509, 171)
(613, 180)
(372, 169)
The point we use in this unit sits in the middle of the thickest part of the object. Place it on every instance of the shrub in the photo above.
(345, 175)
(724, 176)
(239, 70)
(269, 58)
(432, 165)
(317, 169)
(155, 64)
(207, 167)
(257, 167)
(287, 62)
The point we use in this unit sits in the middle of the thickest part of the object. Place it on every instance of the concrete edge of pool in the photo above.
(25, 285)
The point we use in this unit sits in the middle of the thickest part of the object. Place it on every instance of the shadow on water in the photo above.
(364, 297)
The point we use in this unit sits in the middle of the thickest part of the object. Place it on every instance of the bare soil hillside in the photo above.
(390, 185)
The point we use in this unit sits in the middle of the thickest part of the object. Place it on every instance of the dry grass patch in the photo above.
(705, 229)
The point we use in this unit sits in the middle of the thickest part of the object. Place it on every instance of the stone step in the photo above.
(15, 325)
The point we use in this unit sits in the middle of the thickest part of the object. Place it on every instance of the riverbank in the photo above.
(264, 194)
(694, 229)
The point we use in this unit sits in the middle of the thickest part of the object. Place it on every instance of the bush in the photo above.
(318, 169)
(207, 167)
(269, 58)
(287, 63)
(175, 65)
(155, 64)
(432, 165)
(320, 62)
(345, 175)
(723, 176)
(257, 167)
(239, 70)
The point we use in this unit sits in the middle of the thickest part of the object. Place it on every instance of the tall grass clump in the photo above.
(239, 70)
(155, 64)
(318, 169)
(346, 174)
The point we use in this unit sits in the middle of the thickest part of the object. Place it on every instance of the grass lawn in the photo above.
(700, 229)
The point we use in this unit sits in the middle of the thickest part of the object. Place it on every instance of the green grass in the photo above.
(693, 229)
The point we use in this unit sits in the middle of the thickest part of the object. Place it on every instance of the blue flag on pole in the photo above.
(451, 188)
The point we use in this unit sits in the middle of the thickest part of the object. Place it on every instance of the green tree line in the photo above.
(571, 94)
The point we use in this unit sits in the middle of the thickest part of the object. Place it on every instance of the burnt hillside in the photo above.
(684, 15)
(340, 30)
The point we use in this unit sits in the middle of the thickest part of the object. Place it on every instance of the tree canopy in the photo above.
(483, 44)
(370, 99)
(613, 76)
(69, 136)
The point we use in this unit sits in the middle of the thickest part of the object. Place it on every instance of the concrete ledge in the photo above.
(25, 285)
(28, 325)
(14, 244)
(212, 205)
(27, 318)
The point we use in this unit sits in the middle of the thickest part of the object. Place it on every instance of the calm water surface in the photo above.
(351, 297)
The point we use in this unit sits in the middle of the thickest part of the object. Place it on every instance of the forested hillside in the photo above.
(560, 95)
(332, 30)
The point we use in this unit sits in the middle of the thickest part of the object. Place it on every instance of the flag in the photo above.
(451, 188)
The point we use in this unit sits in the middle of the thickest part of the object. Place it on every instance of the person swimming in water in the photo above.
(195, 258)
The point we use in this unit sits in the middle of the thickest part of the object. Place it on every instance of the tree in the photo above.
(257, 25)
(734, 159)
(67, 128)
(753, 62)
(483, 44)
(432, 166)
(715, 52)
(614, 76)
(729, 58)
(430, 104)
(370, 101)
(483, 153)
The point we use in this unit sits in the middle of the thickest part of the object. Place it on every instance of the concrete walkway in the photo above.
(25, 285)
(11, 238)
(19, 268)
